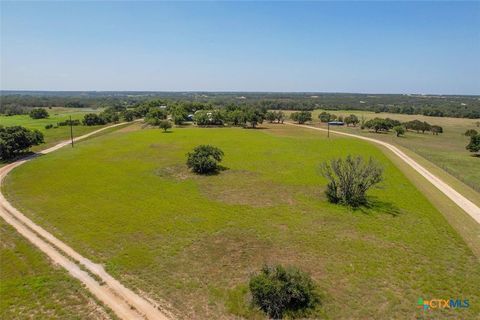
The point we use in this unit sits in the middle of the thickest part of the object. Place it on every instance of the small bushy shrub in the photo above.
(350, 179)
(49, 126)
(204, 159)
(278, 290)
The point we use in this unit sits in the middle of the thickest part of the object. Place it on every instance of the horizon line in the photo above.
(246, 91)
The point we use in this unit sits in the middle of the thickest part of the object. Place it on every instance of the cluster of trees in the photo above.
(273, 116)
(349, 120)
(16, 140)
(301, 116)
(380, 124)
(235, 116)
(423, 126)
(109, 115)
(158, 117)
(93, 119)
(38, 113)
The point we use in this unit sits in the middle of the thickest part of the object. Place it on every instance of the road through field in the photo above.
(468, 206)
(122, 301)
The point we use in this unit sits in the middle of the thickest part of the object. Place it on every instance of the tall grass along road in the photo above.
(125, 303)
(466, 205)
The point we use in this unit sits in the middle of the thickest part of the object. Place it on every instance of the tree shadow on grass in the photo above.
(375, 205)
(220, 168)
(21, 156)
(256, 128)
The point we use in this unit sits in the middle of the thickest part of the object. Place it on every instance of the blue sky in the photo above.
(375, 47)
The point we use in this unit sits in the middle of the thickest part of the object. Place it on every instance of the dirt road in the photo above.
(468, 206)
(124, 302)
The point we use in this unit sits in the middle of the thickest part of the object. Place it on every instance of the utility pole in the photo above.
(71, 130)
(328, 129)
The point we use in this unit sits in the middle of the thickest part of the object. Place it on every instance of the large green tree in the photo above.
(16, 140)
(204, 159)
(474, 144)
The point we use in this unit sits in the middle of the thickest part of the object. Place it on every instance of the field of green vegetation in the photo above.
(127, 200)
(53, 135)
(446, 150)
(32, 288)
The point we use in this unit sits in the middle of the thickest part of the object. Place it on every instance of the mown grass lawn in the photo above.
(53, 135)
(126, 199)
(32, 288)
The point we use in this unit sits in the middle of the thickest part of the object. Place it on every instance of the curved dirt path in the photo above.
(124, 302)
(468, 206)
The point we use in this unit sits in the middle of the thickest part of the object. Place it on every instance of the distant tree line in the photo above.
(432, 105)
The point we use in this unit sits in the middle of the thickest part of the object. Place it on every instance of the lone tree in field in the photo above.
(165, 125)
(350, 179)
(205, 159)
(418, 126)
(399, 130)
(436, 130)
(280, 291)
(474, 145)
(38, 113)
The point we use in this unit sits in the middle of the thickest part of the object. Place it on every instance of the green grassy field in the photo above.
(53, 135)
(446, 150)
(32, 288)
(126, 199)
